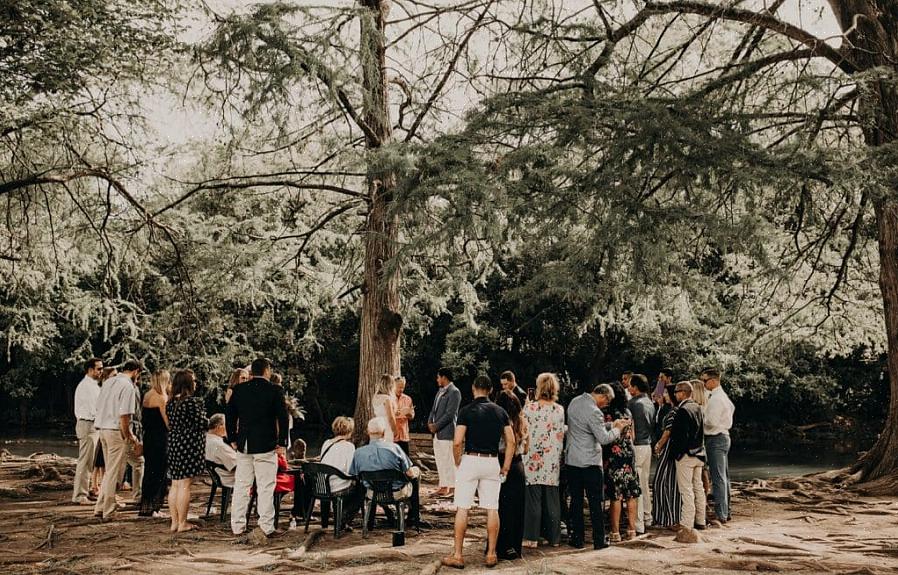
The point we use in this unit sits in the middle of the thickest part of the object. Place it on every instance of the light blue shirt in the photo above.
(587, 432)
(380, 455)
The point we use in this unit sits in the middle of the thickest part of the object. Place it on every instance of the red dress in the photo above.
(285, 481)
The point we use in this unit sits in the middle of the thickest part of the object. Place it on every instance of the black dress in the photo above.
(186, 438)
(511, 511)
(155, 442)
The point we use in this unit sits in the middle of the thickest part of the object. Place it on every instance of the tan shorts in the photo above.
(480, 475)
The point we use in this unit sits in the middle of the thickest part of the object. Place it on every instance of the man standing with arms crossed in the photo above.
(441, 423)
(718, 421)
(476, 452)
(687, 449)
(257, 423)
(86, 395)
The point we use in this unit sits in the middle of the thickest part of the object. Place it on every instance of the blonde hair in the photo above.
(160, 382)
(547, 387)
(699, 393)
(343, 425)
(385, 385)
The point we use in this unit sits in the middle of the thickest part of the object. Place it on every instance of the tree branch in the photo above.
(229, 184)
(767, 21)
(448, 73)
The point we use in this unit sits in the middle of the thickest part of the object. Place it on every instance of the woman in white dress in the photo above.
(384, 405)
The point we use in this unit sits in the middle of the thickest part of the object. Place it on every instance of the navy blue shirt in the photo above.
(485, 422)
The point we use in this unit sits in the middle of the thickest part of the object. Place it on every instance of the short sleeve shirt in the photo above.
(485, 422)
(118, 397)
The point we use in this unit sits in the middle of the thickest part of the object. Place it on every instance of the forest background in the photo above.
(194, 184)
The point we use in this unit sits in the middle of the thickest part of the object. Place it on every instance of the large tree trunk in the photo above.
(871, 30)
(880, 464)
(381, 320)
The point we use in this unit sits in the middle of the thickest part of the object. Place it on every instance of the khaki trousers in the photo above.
(115, 452)
(643, 469)
(442, 452)
(692, 492)
(263, 467)
(87, 447)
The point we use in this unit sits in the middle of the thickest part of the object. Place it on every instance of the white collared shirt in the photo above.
(86, 395)
(217, 451)
(718, 412)
(118, 397)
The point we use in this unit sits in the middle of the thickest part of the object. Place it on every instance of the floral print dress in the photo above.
(621, 480)
(545, 424)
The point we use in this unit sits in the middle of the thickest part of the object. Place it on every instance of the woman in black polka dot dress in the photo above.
(186, 445)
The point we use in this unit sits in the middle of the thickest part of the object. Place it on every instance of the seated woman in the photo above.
(338, 452)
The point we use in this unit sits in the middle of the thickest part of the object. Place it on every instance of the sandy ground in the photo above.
(796, 525)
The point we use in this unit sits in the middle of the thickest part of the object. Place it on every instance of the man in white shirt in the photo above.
(116, 406)
(86, 395)
(719, 412)
(217, 451)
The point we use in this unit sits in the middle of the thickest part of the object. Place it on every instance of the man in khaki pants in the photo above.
(115, 407)
(86, 395)
(687, 448)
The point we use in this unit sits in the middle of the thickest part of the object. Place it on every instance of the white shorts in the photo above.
(480, 474)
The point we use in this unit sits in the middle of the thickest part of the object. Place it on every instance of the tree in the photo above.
(324, 75)
(712, 114)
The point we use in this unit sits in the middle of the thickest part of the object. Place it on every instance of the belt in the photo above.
(87, 420)
(480, 454)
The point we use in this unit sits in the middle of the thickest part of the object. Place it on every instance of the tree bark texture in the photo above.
(871, 42)
(381, 321)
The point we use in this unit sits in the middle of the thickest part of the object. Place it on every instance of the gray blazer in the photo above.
(445, 411)
(587, 432)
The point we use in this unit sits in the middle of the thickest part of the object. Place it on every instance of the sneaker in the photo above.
(82, 501)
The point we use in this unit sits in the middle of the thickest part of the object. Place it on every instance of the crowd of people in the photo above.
(529, 462)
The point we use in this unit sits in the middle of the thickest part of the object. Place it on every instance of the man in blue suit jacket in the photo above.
(441, 423)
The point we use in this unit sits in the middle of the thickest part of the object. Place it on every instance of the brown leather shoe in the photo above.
(452, 561)
(491, 561)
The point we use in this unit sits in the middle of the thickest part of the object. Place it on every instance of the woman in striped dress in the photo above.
(665, 495)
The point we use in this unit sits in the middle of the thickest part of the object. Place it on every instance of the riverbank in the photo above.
(801, 525)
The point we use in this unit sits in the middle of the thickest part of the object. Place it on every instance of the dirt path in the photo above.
(803, 525)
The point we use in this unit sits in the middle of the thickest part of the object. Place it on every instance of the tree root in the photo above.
(431, 568)
(307, 544)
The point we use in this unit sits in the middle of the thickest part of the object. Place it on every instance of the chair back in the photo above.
(317, 478)
(381, 483)
(213, 468)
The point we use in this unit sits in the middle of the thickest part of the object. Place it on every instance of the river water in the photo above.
(744, 464)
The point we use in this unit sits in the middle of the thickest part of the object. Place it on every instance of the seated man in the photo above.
(220, 452)
(380, 455)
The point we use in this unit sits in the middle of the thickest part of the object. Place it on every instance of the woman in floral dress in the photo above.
(621, 480)
(542, 463)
